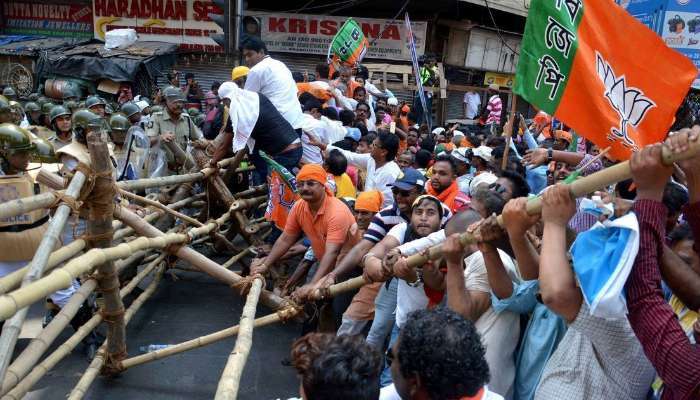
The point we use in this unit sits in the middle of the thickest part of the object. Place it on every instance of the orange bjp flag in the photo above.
(601, 72)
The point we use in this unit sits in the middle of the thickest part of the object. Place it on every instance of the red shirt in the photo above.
(665, 344)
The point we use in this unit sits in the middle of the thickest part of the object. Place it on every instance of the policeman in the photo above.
(9, 93)
(83, 122)
(45, 114)
(96, 104)
(61, 125)
(19, 235)
(137, 142)
(33, 113)
(5, 112)
(17, 114)
(173, 125)
(132, 112)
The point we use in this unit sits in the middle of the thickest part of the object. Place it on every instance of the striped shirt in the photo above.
(388, 217)
(383, 221)
(494, 107)
(676, 360)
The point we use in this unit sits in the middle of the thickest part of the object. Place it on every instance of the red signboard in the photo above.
(47, 19)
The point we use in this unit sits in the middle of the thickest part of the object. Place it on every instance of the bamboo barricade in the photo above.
(243, 204)
(36, 348)
(252, 192)
(284, 314)
(237, 257)
(578, 188)
(45, 200)
(184, 218)
(100, 207)
(62, 277)
(36, 268)
(94, 368)
(64, 349)
(196, 259)
(255, 228)
(231, 377)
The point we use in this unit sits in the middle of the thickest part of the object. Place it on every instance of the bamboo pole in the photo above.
(254, 191)
(94, 368)
(161, 207)
(36, 348)
(196, 259)
(242, 204)
(66, 347)
(255, 228)
(35, 270)
(61, 278)
(578, 188)
(231, 377)
(281, 315)
(236, 258)
(100, 207)
(20, 206)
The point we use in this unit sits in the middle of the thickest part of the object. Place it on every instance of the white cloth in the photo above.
(389, 393)
(499, 331)
(273, 79)
(473, 102)
(334, 129)
(408, 298)
(418, 245)
(377, 178)
(311, 126)
(243, 112)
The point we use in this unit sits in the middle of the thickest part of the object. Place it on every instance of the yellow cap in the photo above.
(239, 72)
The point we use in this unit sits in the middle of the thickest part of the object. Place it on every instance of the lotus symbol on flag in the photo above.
(629, 102)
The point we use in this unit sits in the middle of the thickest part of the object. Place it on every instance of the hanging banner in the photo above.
(41, 19)
(183, 22)
(313, 34)
(416, 71)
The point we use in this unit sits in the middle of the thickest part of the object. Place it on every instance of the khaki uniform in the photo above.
(41, 131)
(20, 235)
(58, 143)
(184, 129)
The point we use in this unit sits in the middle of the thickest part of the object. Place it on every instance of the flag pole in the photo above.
(509, 134)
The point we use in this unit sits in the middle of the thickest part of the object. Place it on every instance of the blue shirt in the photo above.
(542, 335)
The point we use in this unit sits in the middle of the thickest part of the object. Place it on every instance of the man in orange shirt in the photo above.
(323, 219)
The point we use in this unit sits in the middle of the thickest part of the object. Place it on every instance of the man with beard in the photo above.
(443, 184)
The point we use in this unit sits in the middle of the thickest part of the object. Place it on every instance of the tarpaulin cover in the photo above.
(94, 62)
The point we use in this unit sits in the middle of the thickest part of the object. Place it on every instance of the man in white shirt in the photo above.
(472, 102)
(273, 79)
(381, 169)
(469, 294)
(313, 131)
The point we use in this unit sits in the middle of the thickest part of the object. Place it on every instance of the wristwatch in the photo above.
(550, 154)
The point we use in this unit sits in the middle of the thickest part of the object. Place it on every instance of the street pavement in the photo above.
(181, 309)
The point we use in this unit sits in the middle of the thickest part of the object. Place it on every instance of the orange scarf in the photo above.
(447, 196)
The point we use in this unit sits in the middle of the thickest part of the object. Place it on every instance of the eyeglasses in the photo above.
(399, 192)
(498, 188)
(307, 183)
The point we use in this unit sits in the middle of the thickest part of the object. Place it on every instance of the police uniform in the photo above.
(184, 128)
(58, 143)
(20, 235)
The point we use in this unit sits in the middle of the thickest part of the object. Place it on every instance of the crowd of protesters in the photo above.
(516, 314)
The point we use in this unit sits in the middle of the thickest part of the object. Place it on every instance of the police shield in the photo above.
(132, 163)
